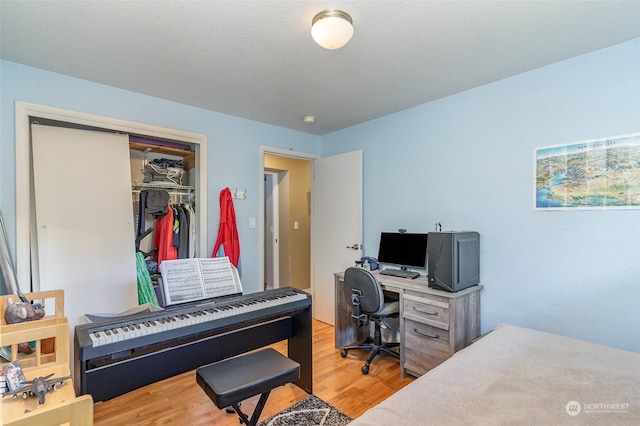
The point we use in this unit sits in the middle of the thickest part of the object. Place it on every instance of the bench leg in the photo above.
(256, 413)
(230, 409)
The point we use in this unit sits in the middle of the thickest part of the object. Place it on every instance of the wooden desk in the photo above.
(433, 324)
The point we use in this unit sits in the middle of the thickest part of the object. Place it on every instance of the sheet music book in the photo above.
(186, 280)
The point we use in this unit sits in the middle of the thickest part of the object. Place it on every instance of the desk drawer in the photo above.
(426, 310)
(425, 346)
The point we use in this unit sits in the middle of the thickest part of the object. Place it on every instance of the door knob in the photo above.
(354, 247)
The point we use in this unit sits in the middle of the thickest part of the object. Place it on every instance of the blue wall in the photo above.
(469, 158)
(233, 143)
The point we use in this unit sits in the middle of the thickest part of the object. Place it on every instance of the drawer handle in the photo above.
(432, 336)
(425, 312)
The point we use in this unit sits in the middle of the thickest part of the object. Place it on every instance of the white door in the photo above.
(337, 225)
(271, 230)
(84, 219)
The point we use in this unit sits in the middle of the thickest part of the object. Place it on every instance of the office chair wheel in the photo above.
(365, 369)
(343, 353)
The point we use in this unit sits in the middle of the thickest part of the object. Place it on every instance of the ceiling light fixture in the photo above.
(309, 119)
(332, 28)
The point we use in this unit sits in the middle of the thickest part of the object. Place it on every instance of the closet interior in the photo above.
(164, 204)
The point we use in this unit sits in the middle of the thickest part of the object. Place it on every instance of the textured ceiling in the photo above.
(256, 59)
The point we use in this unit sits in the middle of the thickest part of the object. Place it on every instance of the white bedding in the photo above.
(517, 375)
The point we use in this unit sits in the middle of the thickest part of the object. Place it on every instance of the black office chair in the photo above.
(363, 293)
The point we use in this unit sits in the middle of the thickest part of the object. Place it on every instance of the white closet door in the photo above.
(84, 219)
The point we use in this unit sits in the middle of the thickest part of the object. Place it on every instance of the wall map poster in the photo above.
(594, 174)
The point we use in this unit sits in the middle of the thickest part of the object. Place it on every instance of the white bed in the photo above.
(517, 375)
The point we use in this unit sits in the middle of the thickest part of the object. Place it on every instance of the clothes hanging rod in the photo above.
(166, 186)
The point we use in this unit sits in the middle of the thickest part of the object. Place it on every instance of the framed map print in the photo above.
(593, 174)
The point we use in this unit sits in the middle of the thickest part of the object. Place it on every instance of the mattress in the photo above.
(516, 375)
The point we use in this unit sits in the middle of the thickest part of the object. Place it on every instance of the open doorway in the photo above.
(287, 222)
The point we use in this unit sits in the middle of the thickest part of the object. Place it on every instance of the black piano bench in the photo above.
(232, 380)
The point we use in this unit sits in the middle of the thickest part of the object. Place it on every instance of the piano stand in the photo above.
(230, 381)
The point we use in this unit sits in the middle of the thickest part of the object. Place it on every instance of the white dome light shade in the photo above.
(332, 29)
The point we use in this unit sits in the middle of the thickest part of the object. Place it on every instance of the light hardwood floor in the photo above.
(180, 401)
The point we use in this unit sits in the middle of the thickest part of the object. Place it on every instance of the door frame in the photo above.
(24, 111)
(281, 153)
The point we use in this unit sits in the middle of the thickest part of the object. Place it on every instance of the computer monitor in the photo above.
(407, 250)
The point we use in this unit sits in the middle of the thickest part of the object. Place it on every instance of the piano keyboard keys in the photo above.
(184, 319)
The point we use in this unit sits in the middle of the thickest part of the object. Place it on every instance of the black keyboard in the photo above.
(143, 329)
(400, 273)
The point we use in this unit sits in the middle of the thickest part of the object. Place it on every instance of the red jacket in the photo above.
(163, 238)
(228, 232)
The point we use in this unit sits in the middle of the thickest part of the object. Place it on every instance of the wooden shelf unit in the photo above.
(51, 356)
